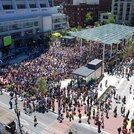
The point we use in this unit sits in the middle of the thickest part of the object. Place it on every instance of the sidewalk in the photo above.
(58, 128)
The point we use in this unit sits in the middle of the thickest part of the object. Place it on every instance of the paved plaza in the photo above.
(48, 123)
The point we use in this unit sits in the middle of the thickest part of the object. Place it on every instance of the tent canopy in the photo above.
(6, 117)
(106, 34)
(83, 71)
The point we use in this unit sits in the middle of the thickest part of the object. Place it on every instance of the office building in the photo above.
(123, 10)
(21, 22)
(62, 2)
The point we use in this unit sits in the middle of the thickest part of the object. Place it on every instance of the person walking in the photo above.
(106, 82)
(11, 104)
(35, 121)
(115, 112)
(130, 89)
(119, 130)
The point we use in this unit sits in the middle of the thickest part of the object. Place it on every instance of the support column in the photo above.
(80, 42)
(117, 47)
(1, 7)
(14, 4)
(27, 4)
(37, 3)
(47, 3)
(103, 58)
(111, 51)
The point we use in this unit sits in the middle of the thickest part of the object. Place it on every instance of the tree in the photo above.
(111, 19)
(97, 24)
(64, 32)
(79, 28)
(88, 18)
(128, 50)
(40, 86)
(74, 29)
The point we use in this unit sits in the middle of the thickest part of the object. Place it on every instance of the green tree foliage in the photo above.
(74, 29)
(97, 24)
(128, 50)
(64, 32)
(111, 19)
(40, 86)
(79, 28)
(88, 18)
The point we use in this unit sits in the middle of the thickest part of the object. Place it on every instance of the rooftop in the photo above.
(106, 34)
(83, 71)
(95, 62)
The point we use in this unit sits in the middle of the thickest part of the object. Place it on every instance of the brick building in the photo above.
(105, 5)
(76, 13)
(58, 2)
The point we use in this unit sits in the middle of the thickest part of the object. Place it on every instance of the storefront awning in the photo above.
(6, 117)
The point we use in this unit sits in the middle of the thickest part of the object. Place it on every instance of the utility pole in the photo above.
(17, 111)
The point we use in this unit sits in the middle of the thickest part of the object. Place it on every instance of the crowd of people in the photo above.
(55, 65)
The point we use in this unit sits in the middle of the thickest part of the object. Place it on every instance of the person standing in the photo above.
(130, 89)
(119, 130)
(106, 83)
(11, 104)
(35, 121)
(115, 112)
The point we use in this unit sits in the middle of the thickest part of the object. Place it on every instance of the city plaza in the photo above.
(109, 40)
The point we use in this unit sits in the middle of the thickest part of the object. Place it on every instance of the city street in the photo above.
(47, 122)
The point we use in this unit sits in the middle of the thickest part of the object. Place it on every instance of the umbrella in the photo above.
(56, 35)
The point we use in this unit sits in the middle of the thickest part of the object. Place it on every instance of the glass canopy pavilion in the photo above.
(106, 35)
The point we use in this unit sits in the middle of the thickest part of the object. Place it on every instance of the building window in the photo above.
(6, 7)
(36, 23)
(3, 28)
(105, 17)
(14, 26)
(58, 26)
(42, 5)
(28, 24)
(32, 5)
(21, 6)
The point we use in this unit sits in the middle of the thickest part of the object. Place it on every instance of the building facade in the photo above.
(23, 21)
(123, 10)
(76, 13)
(91, 2)
(61, 2)
(105, 5)
(104, 17)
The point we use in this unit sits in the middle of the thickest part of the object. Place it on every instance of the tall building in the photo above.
(92, 2)
(21, 22)
(123, 10)
(76, 13)
(105, 5)
(61, 2)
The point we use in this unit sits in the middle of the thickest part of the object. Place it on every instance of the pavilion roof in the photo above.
(106, 34)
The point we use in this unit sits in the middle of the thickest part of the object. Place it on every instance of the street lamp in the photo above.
(17, 111)
(59, 105)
